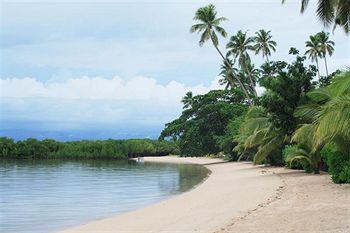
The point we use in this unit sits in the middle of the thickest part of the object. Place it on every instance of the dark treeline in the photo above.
(101, 149)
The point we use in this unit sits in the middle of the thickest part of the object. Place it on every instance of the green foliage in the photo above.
(101, 149)
(286, 89)
(199, 129)
(297, 158)
(258, 135)
(338, 163)
(226, 141)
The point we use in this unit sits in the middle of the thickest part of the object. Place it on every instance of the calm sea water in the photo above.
(46, 196)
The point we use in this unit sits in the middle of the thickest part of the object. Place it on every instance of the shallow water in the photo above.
(46, 196)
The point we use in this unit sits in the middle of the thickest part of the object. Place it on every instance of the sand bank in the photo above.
(239, 197)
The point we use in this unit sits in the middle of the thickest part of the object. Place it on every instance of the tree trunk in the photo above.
(229, 65)
(267, 59)
(325, 64)
(251, 81)
(318, 70)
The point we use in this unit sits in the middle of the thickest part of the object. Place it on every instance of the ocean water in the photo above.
(46, 196)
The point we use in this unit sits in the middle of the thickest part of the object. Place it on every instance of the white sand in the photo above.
(239, 197)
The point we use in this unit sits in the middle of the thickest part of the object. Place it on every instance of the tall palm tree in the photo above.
(314, 50)
(239, 46)
(209, 25)
(326, 46)
(336, 12)
(264, 44)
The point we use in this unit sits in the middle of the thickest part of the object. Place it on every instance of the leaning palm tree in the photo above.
(264, 44)
(209, 25)
(314, 50)
(336, 12)
(239, 46)
(326, 46)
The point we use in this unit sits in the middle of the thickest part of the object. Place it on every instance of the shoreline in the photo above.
(239, 197)
(231, 190)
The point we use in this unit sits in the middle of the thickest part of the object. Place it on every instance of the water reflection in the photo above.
(47, 195)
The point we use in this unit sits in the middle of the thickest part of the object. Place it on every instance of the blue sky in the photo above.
(118, 69)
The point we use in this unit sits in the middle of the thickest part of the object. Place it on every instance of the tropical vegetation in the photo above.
(299, 121)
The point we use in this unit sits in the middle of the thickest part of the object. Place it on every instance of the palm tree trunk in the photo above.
(267, 59)
(325, 64)
(318, 69)
(229, 65)
(251, 81)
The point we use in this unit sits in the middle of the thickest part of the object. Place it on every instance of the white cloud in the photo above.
(84, 101)
(99, 88)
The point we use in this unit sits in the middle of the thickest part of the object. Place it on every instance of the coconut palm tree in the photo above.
(258, 132)
(314, 50)
(264, 44)
(209, 25)
(239, 46)
(187, 100)
(326, 46)
(228, 74)
(336, 12)
(327, 119)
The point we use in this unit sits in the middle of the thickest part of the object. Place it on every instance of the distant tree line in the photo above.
(101, 149)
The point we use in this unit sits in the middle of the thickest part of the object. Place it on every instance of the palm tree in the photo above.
(264, 44)
(258, 132)
(314, 50)
(209, 25)
(326, 46)
(238, 47)
(336, 12)
(228, 74)
(187, 100)
(327, 118)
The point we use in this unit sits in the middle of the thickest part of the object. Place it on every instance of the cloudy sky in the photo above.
(119, 68)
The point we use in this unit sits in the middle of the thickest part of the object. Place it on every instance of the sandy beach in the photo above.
(240, 197)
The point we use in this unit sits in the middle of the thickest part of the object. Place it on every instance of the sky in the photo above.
(74, 70)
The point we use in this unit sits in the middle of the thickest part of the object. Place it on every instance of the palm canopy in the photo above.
(326, 45)
(329, 112)
(208, 24)
(239, 45)
(336, 12)
(314, 49)
(258, 132)
(264, 43)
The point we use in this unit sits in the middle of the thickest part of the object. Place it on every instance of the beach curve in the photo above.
(233, 190)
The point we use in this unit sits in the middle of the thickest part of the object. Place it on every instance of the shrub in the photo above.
(338, 164)
(296, 158)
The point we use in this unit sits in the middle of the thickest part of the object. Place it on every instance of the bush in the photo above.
(338, 164)
(289, 153)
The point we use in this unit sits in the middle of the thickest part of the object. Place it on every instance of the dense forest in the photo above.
(301, 120)
(103, 149)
